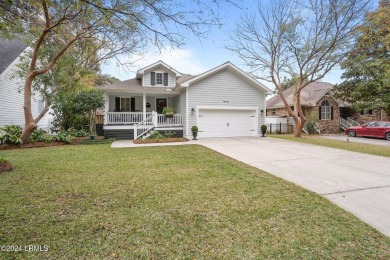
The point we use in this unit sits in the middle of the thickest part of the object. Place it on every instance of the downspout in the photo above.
(186, 112)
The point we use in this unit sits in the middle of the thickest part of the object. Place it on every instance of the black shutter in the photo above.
(153, 78)
(132, 105)
(165, 79)
(331, 113)
(319, 113)
(117, 104)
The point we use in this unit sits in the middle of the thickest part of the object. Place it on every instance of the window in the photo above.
(273, 111)
(122, 104)
(159, 78)
(125, 104)
(326, 110)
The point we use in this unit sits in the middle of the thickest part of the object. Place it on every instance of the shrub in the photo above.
(194, 128)
(63, 136)
(263, 129)
(77, 133)
(2, 160)
(155, 135)
(311, 123)
(168, 134)
(10, 134)
(40, 135)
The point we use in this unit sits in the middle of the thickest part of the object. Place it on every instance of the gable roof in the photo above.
(309, 96)
(230, 66)
(9, 51)
(140, 72)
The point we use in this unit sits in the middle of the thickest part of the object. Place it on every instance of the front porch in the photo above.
(134, 125)
(134, 118)
(134, 115)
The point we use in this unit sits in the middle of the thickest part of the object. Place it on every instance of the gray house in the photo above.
(222, 102)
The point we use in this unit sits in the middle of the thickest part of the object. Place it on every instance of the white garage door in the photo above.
(226, 123)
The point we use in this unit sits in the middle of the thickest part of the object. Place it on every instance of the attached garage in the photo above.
(227, 122)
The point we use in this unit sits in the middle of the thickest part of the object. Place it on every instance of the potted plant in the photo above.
(194, 130)
(168, 112)
(263, 130)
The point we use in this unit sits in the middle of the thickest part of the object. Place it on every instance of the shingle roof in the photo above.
(309, 95)
(9, 51)
(136, 84)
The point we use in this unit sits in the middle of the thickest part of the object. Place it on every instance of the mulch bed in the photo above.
(29, 145)
(75, 140)
(163, 140)
(6, 167)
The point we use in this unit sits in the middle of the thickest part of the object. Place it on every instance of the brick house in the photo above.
(318, 97)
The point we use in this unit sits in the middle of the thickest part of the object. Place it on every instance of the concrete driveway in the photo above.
(359, 183)
(364, 140)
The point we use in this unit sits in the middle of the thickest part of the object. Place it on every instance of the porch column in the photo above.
(106, 108)
(144, 105)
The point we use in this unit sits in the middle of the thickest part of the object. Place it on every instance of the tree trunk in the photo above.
(29, 124)
(93, 122)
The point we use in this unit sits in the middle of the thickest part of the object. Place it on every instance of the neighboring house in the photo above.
(333, 114)
(11, 105)
(222, 102)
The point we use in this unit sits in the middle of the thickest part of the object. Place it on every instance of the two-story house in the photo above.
(222, 102)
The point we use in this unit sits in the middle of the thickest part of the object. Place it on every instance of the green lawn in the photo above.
(168, 202)
(349, 146)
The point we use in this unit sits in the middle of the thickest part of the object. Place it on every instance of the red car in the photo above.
(372, 129)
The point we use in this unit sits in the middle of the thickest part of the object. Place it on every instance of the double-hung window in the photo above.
(159, 78)
(326, 110)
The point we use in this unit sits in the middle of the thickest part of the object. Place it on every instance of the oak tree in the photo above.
(52, 27)
(367, 68)
(300, 40)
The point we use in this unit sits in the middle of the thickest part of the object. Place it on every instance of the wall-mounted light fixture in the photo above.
(262, 111)
(193, 110)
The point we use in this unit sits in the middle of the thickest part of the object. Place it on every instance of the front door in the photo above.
(160, 104)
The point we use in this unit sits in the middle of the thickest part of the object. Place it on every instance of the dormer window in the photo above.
(159, 78)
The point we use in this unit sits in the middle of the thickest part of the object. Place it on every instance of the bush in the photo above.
(263, 129)
(194, 128)
(155, 135)
(168, 134)
(63, 136)
(40, 135)
(2, 160)
(311, 123)
(77, 133)
(10, 134)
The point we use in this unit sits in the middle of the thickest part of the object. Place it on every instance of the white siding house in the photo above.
(222, 102)
(11, 104)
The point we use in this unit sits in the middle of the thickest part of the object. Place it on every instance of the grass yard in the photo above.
(349, 146)
(168, 202)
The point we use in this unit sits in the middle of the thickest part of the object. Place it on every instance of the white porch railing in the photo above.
(125, 118)
(145, 126)
(352, 122)
(344, 124)
(176, 120)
